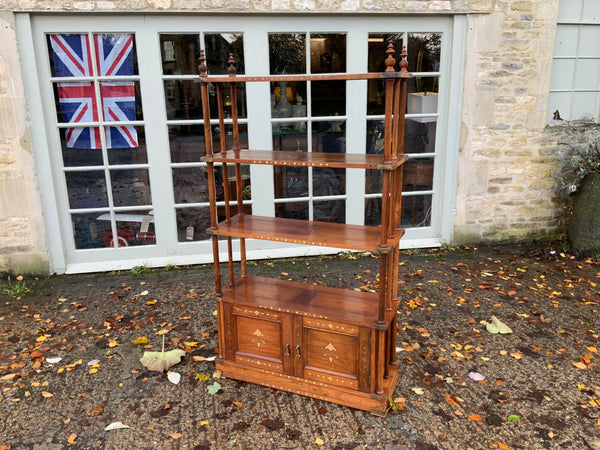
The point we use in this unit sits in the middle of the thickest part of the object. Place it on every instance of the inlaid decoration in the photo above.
(258, 338)
(330, 352)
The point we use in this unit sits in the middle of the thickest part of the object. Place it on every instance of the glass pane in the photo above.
(76, 102)
(293, 104)
(295, 210)
(423, 86)
(287, 53)
(327, 53)
(130, 187)
(290, 182)
(136, 154)
(186, 143)
(378, 44)
(290, 140)
(584, 106)
(570, 10)
(419, 135)
(121, 101)
(328, 98)
(246, 190)
(373, 183)
(79, 156)
(418, 175)
(190, 185)
(424, 51)
(565, 41)
(88, 230)
(192, 224)
(115, 54)
(588, 41)
(563, 71)
(243, 137)
(330, 211)
(416, 211)
(86, 189)
(587, 74)
(217, 49)
(241, 102)
(182, 99)
(179, 53)
(591, 10)
(375, 97)
(331, 136)
(559, 105)
(327, 181)
(373, 212)
(69, 55)
(133, 228)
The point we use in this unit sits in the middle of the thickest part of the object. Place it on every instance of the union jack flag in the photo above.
(78, 99)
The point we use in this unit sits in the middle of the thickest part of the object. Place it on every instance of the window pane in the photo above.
(378, 44)
(419, 135)
(424, 51)
(115, 54)
(570, 10)
(584, 106)
(418, 175)
(240, 95)
(88, 231)
(565, 41)
(86, 189)
(132, 155)
(290, 140)
(179, 53)
(416, 211)
(130, 187)
(133, 228)
(192, 224)
(292, 104)
(591, 10)
(243, 137)
(290, 182)
(424, 86)
(562, 74)
(330, 211)
(327, 181)
(121, 101)
(190, 185)
(587, 73)
(588, 41)
(295, 210)
(76, 102)
(79, 156)
(331, 136)
(287, 53)
(559, 103)
(186, 143)
(182, 99)
(70, 55)
(327, 53)
(217, 49)
(328, 98)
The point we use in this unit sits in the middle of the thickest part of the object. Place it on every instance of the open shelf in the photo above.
(314, 159)
(314, 301)
(324, 234)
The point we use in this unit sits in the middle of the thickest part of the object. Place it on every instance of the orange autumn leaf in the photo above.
(72, 439)
(176, 435)
(450, 399)
(503, 446)
(475, 417)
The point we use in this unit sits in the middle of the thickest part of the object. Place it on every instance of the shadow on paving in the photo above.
(460, 386)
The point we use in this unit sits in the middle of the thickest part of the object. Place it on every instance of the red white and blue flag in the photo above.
(78, 99)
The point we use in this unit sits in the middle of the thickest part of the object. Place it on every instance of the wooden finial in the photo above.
(390, 61)
(231, 62)
(404, 62)
(203, 68)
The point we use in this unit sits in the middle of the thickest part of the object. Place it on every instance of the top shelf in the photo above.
(314, 159)
(305, 77)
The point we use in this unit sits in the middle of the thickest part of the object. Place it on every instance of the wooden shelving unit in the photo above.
(328, 343)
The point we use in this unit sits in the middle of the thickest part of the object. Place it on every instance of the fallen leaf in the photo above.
(497, 327)
(161, 361)
(97, 411)
(418, 390)
(451, 399)
(47, 394)
(513, 418)
(475, 417)
(213, 388)
(579, 365)
(116, 426)
(319, 441)
(140, 341)
(202, 377)
(72, 439)
(176, 435)
(476, 376)
(53, 360)
(238, 404)
(174, 377)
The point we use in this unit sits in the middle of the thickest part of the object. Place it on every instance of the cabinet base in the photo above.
(376, 404)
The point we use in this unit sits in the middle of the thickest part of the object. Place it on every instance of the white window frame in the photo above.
(31, 30)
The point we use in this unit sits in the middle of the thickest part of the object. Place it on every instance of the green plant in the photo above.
(137, 270)
(577, 161)
(15, 289)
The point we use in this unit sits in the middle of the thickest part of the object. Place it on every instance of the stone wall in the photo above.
(504, 186)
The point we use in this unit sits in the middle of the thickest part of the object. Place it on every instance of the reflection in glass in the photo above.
(88, 231)
(419, 135)
(424, 51)
(241, 101)
(418, 175)
(416, 211)
(179, 53)
(328, 98)
(292, 104)
(422, 86)
(218, 46)
(331, 136)
(182, 99)
(328, 181)
(327, 53)
(378, 44)
(243, 137)
(291, 182)
(287, 53)
(230, 178)
(192, 223)
(330, 211)
(74, 157)
(186, 143)
(190, 185)
(130, 187)
(136, 155)
(293, 210)
(86, 189)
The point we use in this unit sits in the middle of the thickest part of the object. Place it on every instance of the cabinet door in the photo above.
(336, 353)
(258, 337)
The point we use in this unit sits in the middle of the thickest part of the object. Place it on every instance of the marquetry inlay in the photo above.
(330, 352)
(258, 338)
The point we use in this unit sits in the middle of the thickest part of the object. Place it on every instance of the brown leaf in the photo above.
(452, 400)
(72, 439)
(176, 435)
(47, 394)
(97, 411)
(475, 417)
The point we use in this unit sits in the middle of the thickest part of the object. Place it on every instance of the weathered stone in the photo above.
(584, 224)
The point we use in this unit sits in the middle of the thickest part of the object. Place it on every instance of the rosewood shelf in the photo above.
(323, 234)
(314, 159)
